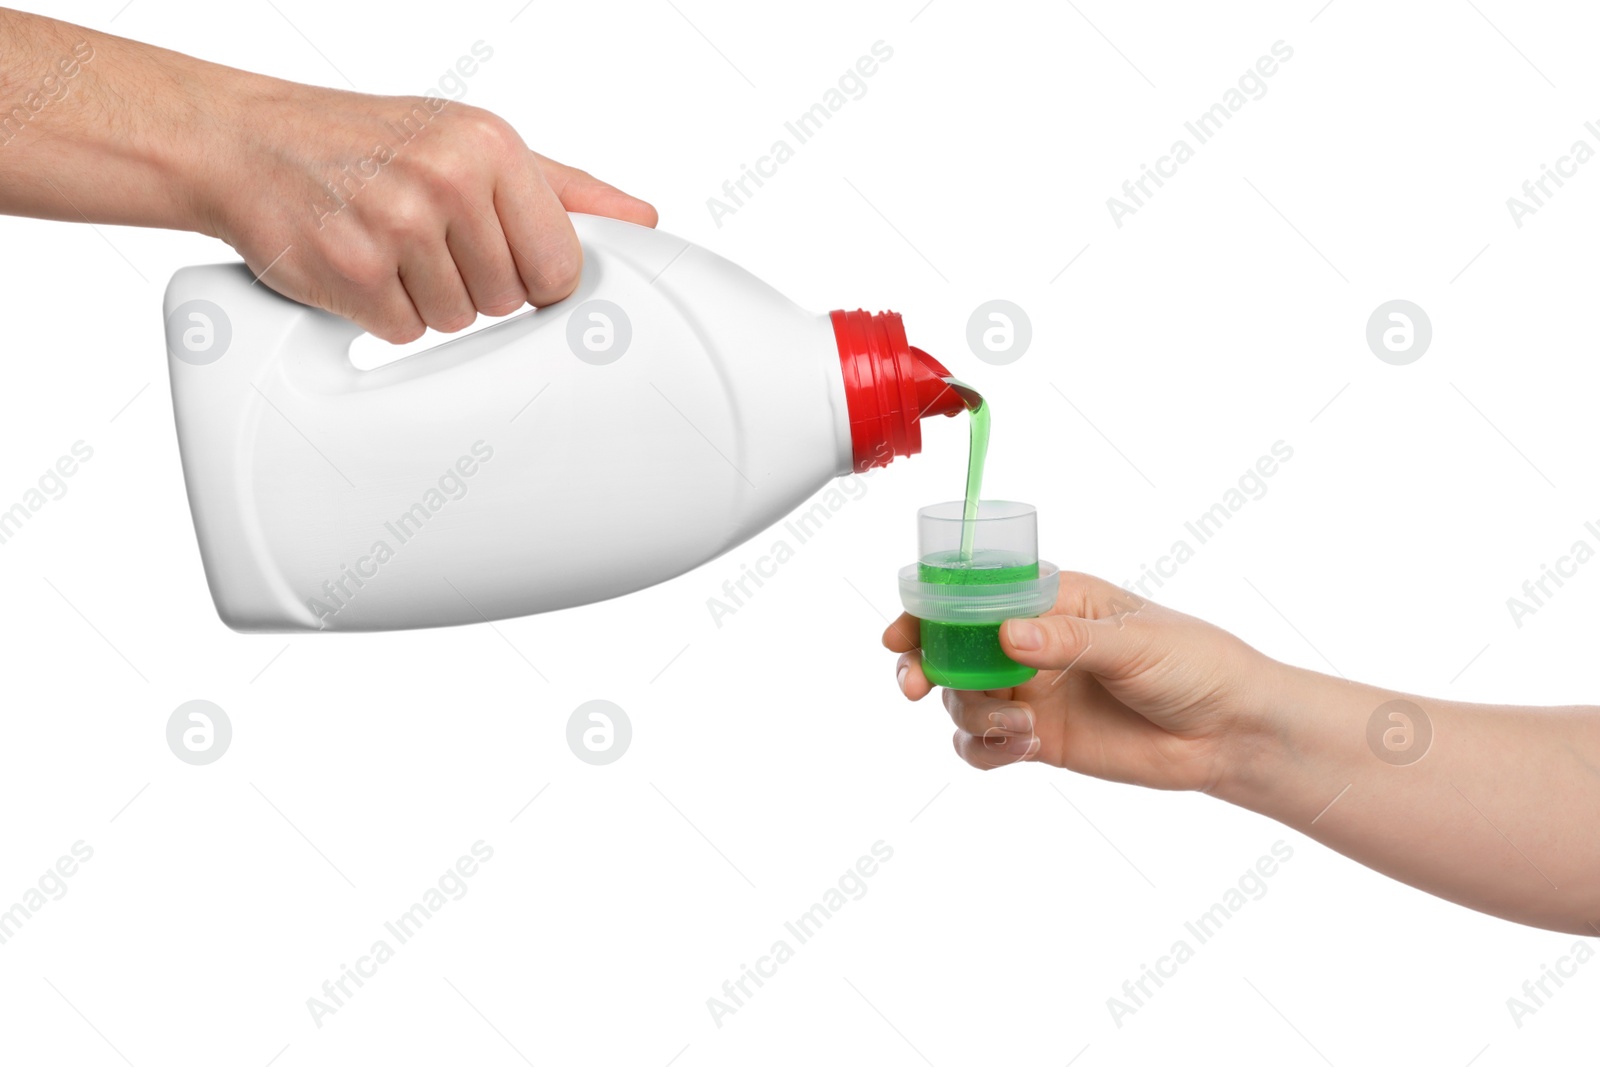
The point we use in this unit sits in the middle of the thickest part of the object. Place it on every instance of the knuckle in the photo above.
(396, 333)
(357, 267)
(449, 170)
(558, 264)
(409, 332)
(497, 308)
(486, 129)
(457, 322)
(974, 750)
(410, 217)
(1064, 633)
(473, 139)
(505, 301)
(443, 178)
(576, 180)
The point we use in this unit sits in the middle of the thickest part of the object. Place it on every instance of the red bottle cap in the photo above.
(889, 387)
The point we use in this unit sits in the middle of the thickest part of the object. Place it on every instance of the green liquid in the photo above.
(968, 655)
(977, 451)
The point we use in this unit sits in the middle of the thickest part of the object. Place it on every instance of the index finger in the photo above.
(904, 634)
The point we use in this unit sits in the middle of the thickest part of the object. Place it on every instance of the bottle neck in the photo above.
(889, 386)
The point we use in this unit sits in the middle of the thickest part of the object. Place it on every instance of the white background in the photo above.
(769, 754)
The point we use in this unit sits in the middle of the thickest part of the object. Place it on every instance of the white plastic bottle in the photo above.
(671, 408)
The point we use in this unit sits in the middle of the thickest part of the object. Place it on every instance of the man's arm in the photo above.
(397, 212)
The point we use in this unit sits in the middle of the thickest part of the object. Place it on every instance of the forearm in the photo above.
(1497, 813)
(101, 129)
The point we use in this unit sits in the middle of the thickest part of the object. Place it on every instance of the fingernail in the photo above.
(900, 675)
(1024, 635)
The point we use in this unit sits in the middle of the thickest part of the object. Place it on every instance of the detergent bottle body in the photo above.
(668, 410)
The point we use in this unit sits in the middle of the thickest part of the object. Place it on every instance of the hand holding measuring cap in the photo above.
(1149, 698)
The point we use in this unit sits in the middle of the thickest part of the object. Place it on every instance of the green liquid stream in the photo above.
(968, 655)
(977, 452)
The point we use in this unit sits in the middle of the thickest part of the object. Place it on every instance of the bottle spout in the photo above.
(970, 396)
(890, 387)
(938, 391)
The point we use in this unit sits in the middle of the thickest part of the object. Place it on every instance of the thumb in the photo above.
(1056, 642)
(582, 192)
